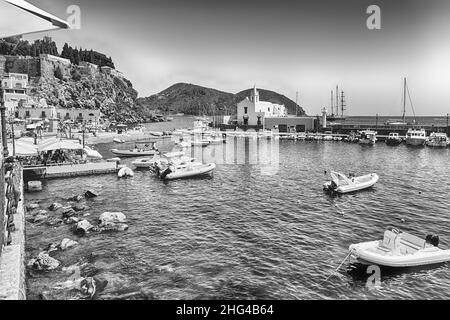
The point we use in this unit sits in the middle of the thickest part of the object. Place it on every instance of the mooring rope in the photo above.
(340, 265)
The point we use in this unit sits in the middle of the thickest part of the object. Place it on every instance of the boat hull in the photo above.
(131, 153)
(415, 142)
(196, 171)
(429, 256)
(364, 182)
(393, 142)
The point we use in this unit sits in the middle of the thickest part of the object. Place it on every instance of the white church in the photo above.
(251, 111)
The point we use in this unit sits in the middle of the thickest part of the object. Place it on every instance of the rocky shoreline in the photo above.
(82, 279)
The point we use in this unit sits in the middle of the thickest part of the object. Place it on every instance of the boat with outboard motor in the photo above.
(146, 162)
(343, 184)
(175, 165)
(368, 137)
(400, 249)
(147, 149)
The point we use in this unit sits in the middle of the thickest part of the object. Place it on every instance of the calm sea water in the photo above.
(244, 234)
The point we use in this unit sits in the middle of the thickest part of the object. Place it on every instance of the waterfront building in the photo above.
(15, 86)
(251, 111)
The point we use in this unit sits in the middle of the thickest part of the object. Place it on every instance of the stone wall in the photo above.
(2, 196)
(50, 63)
(18, 64)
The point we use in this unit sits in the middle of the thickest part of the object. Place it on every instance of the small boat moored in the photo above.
(368, 137)
(393, 139)
(400, 249)
(343, 184)
(416, 137)
(147, 149)
(437, 140)
(146, 162)
(125, 172)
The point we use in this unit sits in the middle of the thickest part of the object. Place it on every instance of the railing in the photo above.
(11, 195)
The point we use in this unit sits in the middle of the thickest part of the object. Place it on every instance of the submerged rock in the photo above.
(67, 212)
(67, 243)
(113, 227)
(72, 220)
(90, 194)
(55, 206)
(83, 227)
(79, 207)
(32, 206)
(44, 262)
(76, 198)
(39, 218)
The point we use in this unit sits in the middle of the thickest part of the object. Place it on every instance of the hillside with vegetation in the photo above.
(197, 100)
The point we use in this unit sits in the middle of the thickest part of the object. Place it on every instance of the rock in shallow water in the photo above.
(111, 217)
(32, 206)
(67, 243)
(55, 206)
(44, 262)
(90, 194)
(83, 227)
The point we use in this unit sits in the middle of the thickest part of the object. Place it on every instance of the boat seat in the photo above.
(389, 240)
(411, 243)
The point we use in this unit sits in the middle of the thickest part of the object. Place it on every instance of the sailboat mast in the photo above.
(404, 99)
(337, 101)
(331, 105)
(342, 104)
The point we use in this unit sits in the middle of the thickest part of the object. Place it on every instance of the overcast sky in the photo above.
(285, 46)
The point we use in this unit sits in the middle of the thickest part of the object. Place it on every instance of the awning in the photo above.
(22, 148)
(64, 145)
(18, 17)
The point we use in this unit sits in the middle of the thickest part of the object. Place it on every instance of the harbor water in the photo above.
(247, 234)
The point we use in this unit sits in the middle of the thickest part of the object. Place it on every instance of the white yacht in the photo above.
(368, 137)
(437, 139)
(416, 137)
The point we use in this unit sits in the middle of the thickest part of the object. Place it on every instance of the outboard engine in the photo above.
(432, 239)
(165, 173)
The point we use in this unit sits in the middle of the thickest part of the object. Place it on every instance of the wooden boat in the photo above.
(400, 249)
(393, 139)
(342, 184)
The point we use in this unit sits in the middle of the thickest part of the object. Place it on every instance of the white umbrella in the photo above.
(18, 17)
(23, 148)
(65, 144)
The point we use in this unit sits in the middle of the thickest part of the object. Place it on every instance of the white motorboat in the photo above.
(368, 137)
(187, 171)
(144, 149)
(400, 249)
(437, 140)
(416, 137)
(343, 184)
(125, 172)
(183, 144)
(146, 162)
(117, 140)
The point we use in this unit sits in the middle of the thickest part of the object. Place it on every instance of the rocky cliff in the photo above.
(114, 96)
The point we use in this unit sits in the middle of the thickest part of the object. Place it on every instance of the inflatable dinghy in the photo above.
(400, 249)
(342, 184)
(125, 172)
(194, 170)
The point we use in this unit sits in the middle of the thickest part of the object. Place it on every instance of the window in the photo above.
(268, 109)
(43, 114)
(27, 113)
(245, 110)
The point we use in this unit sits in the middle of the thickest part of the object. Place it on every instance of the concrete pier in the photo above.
(72, 170)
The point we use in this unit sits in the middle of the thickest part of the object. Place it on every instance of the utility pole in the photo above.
(337, 101)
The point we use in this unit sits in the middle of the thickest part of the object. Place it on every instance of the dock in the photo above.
(70, 170)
